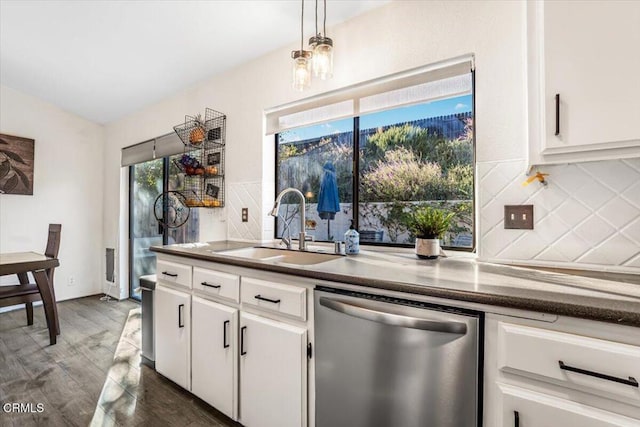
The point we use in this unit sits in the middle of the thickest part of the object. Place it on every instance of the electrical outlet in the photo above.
(518, 217)
(245, 214)
(71, 281)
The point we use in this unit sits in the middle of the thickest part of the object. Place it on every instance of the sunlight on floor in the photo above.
(117, 398)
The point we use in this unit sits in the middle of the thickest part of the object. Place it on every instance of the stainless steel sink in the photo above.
(281, 256)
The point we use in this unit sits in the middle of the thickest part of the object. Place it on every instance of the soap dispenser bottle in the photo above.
(352, 239)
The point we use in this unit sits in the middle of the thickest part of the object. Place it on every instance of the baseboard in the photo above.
(18, 307)
(147, 362)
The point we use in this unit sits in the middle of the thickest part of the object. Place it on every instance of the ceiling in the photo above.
(105, 59)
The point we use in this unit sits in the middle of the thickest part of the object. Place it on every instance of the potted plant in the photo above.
(429, 225)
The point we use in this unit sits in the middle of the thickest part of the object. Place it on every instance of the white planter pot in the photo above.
(428, 248)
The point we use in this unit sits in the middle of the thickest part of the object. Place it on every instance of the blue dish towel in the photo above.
(328, 201)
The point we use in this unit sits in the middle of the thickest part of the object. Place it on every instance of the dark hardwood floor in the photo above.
(92, 376)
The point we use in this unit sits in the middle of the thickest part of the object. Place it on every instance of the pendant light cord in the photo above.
(324, 25)
(316, 17)
(302, 28)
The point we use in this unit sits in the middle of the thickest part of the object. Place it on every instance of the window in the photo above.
(306, 157)
(394, 155)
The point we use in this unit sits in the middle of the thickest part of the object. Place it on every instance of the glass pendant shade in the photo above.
(323, 58)
(301, 69)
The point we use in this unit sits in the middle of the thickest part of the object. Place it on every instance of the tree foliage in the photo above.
(148, 177)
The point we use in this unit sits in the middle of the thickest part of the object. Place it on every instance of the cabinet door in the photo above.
(172, 321)
(526, 408)
(273, 373)
(213, 348)
(587, 52)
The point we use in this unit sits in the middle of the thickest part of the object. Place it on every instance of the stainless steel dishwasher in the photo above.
(391, 362)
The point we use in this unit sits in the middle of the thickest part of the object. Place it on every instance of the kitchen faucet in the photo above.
(302, 243)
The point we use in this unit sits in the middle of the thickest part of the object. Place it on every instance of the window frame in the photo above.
(356, 180)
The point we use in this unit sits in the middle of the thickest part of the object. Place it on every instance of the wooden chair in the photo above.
(27, 293)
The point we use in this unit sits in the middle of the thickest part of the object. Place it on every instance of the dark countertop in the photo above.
(614, 298)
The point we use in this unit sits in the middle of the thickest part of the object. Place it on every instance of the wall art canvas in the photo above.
(16, 165)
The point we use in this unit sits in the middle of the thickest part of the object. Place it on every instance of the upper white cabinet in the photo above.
(583, 85)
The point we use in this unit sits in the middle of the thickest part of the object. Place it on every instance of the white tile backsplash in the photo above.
(245, 195)
(588, 216)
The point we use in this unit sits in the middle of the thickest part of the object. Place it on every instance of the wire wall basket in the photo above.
(203, 161)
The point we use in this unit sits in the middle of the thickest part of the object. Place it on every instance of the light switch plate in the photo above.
(518, 217)
(245, 214)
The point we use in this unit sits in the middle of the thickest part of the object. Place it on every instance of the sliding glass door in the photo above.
(147, 181)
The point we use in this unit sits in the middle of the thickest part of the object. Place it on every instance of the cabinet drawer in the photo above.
(275, 297)
(173, 272)
(211, 282)
(526, 408)
(593, 365)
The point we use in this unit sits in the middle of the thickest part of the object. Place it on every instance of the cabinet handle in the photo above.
(368, 312)
(166, 273)
(516, 419)
(210, 285)
(557, 114)
(224, 334)
(275, 301)
(631, 381)
(180, 316)
(242, 352)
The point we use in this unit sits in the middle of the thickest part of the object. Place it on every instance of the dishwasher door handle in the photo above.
(369, 313)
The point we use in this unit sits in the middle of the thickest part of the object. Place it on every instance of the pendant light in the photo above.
(301, 61)
(322, 47)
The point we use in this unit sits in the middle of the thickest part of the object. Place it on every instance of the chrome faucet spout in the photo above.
(302, 244)
(274, 211)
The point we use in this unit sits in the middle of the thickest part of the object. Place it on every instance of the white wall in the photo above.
(68, 177)
(392, 38)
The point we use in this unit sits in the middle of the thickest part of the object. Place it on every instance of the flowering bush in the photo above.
(401, 176)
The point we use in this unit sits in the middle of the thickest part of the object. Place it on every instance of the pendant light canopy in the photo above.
(322, 47)
(301, 61)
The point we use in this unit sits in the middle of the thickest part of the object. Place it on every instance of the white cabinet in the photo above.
(174, 273)
(601, 367)
(222, 286)
(214, 355)
(587, 53)
(274, 297)
(172, 320)
(236, 342)
(273, 373)
(526, 408)
(566, 373)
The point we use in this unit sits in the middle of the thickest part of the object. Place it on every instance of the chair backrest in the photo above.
(53, 241)
(53, 247)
